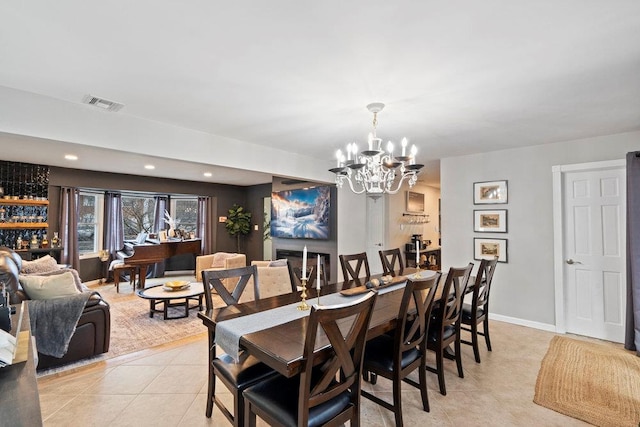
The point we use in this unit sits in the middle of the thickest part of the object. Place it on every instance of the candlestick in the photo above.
(304, 263)
(417, 254)
(303, 304)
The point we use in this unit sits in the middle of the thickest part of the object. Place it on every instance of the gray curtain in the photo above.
(162, 202)
(113, 223)
(206, 223)
(632, 336)
(69, 226)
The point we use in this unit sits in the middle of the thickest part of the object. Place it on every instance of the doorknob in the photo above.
(570, 262)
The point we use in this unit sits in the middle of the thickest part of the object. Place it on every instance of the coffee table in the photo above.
(157, 295)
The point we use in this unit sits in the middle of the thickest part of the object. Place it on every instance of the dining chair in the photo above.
(478, 311)
(395, 357)
(314, 273)
(391, 261)
(236, 376)
(327, 390)
(444, 328)
(352, 264)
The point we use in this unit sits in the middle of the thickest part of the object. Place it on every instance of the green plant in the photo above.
(238, 222)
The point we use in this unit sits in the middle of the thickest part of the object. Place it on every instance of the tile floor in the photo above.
(166, 386)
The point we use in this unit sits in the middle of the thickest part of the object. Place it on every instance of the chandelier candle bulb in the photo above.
(404, 147)
(304, 263)
(390, 148)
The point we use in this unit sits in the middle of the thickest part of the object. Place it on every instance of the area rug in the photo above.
(595, 383)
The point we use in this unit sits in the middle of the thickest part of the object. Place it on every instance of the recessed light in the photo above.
(208, 174)
(149, 167)
(71, 157)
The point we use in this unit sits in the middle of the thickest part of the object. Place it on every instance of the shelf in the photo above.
(22, 202)
(22, 225)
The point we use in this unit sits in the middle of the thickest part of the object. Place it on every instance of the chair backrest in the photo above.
(391, 261)
(275, 278)
(453, 292)
(352, 264)
(343, 329)
(413, 327)
(214, 278)
(482, 285)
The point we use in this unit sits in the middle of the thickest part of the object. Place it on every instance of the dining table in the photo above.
(280, 345)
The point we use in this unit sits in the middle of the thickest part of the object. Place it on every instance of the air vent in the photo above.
(103, 104)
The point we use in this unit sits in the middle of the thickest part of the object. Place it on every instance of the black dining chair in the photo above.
(395, 357)
(391, 261)
(352, 264)
(236, 376)
(327, 390)
(477, 312)
(444, 328)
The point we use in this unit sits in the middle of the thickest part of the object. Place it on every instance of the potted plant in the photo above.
(238, 222)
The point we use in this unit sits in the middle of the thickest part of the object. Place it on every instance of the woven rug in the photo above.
(595, 383)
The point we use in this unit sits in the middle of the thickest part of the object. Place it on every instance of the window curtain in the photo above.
(632, 335)
(68, 226)
(162, 202)
(206, 224)
(113, 238)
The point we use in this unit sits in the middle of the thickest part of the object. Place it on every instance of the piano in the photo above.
(152, 251)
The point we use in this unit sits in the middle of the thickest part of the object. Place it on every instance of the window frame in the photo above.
(98, 224)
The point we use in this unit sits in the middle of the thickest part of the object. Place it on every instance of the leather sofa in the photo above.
(93, 330)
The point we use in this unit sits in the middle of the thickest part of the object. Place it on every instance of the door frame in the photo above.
(558, 228)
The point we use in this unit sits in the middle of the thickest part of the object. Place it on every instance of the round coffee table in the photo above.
(158, 295)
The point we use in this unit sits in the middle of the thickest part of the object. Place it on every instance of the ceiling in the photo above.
(457, 77)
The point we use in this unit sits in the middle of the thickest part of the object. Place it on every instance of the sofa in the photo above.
(93, 329)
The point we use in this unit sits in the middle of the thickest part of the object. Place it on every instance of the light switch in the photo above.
(255, 227)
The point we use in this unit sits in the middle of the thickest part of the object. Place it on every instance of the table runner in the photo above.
(228, 332)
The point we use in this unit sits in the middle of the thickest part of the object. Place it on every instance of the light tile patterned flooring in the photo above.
(166, 386)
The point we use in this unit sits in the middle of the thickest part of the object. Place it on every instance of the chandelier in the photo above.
(374, 171)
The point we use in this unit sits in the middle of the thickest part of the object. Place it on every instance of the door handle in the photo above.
(571, 262)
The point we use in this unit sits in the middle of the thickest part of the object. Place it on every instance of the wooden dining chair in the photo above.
(391, 261)
(236, 376)
(478, 311)
(395, 357)
(352, 264)
(444, 328)
(327, 390)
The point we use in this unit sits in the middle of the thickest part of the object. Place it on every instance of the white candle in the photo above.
(304, 263)
(339, 157)
(404, 147)
(417, 253)
(318, 275)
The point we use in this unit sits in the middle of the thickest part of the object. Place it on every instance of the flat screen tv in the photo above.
(301, 213)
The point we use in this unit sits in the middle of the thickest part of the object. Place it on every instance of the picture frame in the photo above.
(489, 192)
(490, 248)
(415, 202)
(490, 221)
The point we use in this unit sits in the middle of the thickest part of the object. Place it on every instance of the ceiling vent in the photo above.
(103, 104)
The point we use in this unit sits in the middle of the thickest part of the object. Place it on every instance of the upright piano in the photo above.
(145, 254)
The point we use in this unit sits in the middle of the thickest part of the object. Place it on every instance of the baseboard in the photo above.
(523, 322)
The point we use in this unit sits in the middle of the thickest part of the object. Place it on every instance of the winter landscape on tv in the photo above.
(301, 214)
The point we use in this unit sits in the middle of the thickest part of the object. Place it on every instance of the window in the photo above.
(185, 212)
(137, 215)
(90, 208)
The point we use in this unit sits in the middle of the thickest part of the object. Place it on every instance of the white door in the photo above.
(594, 209)
(376, 229)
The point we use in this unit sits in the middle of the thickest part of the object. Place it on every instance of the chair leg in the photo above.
(212, 379)
(459, 356)
(422, 374)
(397, 401)
(474, 341)
(440, 369)
(249, 416)
(238, 403)
(485, 327)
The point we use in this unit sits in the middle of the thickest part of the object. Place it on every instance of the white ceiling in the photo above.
(458, 77)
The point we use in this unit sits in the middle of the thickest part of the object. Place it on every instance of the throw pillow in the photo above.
(219, 259)
(49, 287)
(76, 277)
(278, 263)
(41, 265)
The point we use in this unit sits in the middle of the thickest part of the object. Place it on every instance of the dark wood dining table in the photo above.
(281, 346)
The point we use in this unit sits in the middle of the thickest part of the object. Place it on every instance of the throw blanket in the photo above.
(54, 321)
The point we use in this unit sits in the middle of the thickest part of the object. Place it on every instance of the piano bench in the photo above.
(124, 268)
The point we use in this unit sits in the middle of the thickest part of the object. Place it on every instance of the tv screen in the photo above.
(301, 213)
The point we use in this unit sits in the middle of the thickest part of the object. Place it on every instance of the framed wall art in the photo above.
(415, 202)
(490, 221)
(490, 248)
(489, 192)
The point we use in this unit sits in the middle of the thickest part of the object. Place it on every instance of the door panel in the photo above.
(594, 246)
